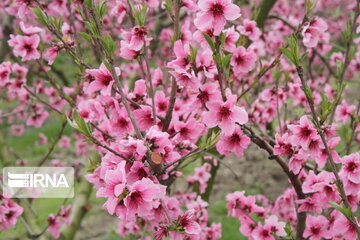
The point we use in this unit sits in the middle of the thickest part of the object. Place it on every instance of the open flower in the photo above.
(316, 227)
(214, 13)
(188, 222)
(225, 115)
(25, 46)
(250, 30)
(103, 80)
(141, 195)
(243, 60)
(235, 142)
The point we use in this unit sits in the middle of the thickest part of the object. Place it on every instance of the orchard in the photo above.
(156, 104)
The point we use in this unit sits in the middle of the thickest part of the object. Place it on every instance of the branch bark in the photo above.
(295, 182)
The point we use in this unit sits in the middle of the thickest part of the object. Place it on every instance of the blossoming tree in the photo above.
(149, 87)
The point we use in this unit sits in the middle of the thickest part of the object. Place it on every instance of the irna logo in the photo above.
(35, 180)
(38, 182)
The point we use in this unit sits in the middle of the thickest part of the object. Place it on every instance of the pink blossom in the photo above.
(243, 60)
(54, 225)
(343, 111)
(207, 93)
(114, 186)
(214, 13)
(188, 223)
(351, 167)
(185, 79)
(302, 133)
(103, 80)
(312, 31)
(144, 117)
(136, 38)
(25, 46)
(141, 195)
(65, 214)
(225, 115)
(343, 227)
(231, 38)
(316, 227)
(9, 213)
(64, 142)
(29, 30)
(51, 53)
(181, 52)
(17, 130)
(235, 142)
(249, 29)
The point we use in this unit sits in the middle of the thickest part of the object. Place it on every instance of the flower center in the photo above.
(217, 9)
(239, 60)
(106, 79)
(203, 96)
(28, 47)
(351, 167)
(225, 112)
(140, 32)
(315, 230)
(235, 138)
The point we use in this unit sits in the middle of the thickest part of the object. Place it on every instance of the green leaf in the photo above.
(344, 210)
(86, 36)
(193, 53)
(41, 17)
(101, 9)
(309, 7)
(308, 92)
(142, 14)
(71, 123)
(288, 230)
(288, 54)
(168, 6)
(91, 26)
(107, 65)
(209, 41)
(109, 45)
(135, 13)
(88, 3)
(226, 60)
(82, 125)
(339, 67)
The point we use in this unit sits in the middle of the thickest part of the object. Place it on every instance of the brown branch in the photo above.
(295, 182)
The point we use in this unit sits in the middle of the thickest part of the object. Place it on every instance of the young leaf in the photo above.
(226, 60)
(82, 125)
(345, 211)
(339, 67)
(41, 17)
(209, 41)
(86, 36)
(168, 6)
(288, 54)
(142, 15)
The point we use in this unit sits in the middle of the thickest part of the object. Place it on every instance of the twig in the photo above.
(260, 75)
(346, 57)
(353, 125)
(169, 111)
(295, 182)
(334, 169)
(52, 146)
